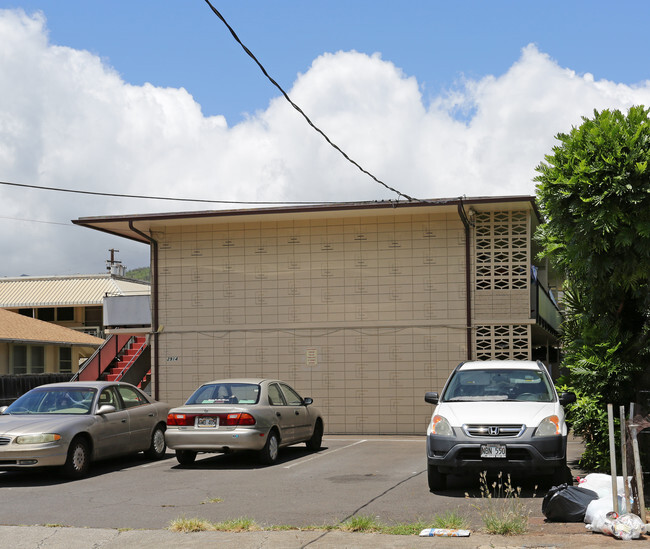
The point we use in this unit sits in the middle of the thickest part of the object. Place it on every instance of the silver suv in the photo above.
(497, 415)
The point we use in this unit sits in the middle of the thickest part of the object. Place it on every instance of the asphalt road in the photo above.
(383, 477)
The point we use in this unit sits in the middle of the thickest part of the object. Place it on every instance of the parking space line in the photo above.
(325, 454)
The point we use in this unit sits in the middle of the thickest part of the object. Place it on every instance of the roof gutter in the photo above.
(468, 277)
(154, 304)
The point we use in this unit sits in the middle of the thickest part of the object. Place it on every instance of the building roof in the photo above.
(139, 227)
(66, 291)
(24, 329)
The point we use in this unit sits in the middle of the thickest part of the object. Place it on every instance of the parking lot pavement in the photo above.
(130, 502)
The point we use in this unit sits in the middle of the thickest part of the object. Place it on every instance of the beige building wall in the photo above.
(363, 314)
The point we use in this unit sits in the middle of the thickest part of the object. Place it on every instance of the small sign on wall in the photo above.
(312, 357)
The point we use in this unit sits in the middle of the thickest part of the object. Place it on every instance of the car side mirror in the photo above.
(307, 401)
(105, 409)
(431, 397)
(3, 408)
(567, 398)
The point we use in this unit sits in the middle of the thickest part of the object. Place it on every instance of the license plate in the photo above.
(493, 450)
(207, 422)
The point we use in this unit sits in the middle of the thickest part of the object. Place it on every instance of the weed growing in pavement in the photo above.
(451, 520)
(190, 525)
(242, 524)
(501, 508)
(212, 500)
(365, 524)
(360, 524)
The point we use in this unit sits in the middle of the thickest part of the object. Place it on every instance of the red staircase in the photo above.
(116, 361)
(126, 359)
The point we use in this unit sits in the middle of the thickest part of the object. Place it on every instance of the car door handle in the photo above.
(124, 421)
(151, 414)
(278, 414)
(297, 412)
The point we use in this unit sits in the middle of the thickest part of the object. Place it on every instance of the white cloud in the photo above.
(69, 120)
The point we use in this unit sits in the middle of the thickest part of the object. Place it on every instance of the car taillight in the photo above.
(181, 420)
(241, 418)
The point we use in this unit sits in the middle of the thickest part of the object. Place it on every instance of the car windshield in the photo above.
(60, 400)
(226, 393)
(499, 384)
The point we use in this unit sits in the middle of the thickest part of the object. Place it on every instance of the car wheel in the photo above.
(437, 481)
(314, 443)
(269, 454)
(158, 445)
(78, 460)
(185, 457)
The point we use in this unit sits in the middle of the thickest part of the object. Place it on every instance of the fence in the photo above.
(13, 386)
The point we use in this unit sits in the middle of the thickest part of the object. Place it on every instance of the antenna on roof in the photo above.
(114, 266)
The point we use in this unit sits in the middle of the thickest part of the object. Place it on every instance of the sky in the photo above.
(157, 99)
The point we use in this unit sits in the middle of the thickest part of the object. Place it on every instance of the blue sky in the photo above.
(156, 98)
(172, 43)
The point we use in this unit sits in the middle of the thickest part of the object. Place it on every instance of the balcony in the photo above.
(544, 309)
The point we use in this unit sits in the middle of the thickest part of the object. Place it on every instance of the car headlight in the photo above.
(549, 426)
(441, 427)
(38, 439)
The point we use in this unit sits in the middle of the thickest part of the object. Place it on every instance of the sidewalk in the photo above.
(548, 536)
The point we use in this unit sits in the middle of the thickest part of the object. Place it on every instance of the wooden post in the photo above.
(626, 503)
(612, 455)
(639, 472)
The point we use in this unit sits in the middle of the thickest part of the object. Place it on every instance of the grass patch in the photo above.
(212, 500)
(237, 525)
(370, 525)
(359, 524)
(451, 520)
(500, 507)
(186, 525)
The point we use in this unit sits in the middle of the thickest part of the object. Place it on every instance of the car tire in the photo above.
(316, 440)
(78, 461)
(185, 457)
(269, 454)
(437, 480)
(158, 446)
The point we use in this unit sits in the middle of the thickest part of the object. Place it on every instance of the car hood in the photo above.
(497, 412)
(25, 424)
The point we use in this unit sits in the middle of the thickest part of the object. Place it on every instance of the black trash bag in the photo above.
(566, 503)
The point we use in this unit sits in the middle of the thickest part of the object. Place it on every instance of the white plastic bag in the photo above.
(602, 484)
(624, 527)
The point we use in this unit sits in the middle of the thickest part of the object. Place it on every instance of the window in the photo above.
(293, 398)
(130, 397)
(45, 314)
(275, 397)
(65, 359)
(28, 359)
(93, 316)
(65, 314)
(108, 397)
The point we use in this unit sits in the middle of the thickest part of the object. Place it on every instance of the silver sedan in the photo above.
(68, 425)
(243, 414)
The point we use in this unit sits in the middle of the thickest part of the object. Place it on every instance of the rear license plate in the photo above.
(207, 422)
(493, 450)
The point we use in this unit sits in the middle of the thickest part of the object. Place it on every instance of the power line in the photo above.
(145, 197)
(286, 96)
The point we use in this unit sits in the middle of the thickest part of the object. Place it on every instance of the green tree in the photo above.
(594, 192)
